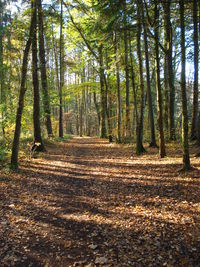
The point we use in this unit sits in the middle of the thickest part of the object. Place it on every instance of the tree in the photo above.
(46, 99)
(158, 84)
(139, 130)
(194, 127)
(169, 66)
(36, 96)
(149, 96)
(61, 72)
(126, 69)
(2, 74)
(15, 145)
(186, 156)
(118, 87)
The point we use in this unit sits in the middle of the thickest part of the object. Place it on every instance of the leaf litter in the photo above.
(89, 203)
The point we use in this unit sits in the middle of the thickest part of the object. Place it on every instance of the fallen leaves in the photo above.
(86, 203)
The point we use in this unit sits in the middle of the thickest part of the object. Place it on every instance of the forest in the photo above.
(99, 133)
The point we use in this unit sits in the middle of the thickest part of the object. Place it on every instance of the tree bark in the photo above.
(170, 71)
(162, 152)
(2, 87)
(103, 133)
(149, 96)
(46, 99)
(128, 130)
(186, 157)
(36, 96)
(139, 130)
(194, 127)
(118, 89)
(61, 74)
(15, 145)
(133, 84)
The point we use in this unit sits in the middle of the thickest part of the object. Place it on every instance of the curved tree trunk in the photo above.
(15, 145)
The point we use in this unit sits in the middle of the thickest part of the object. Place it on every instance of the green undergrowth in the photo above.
(25, 147)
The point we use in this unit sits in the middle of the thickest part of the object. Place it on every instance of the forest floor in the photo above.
(90, 203)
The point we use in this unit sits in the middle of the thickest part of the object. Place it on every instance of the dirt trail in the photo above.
(90, 203)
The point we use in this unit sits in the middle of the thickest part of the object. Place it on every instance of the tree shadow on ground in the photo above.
(71, 211)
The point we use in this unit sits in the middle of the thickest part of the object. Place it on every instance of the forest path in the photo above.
(90, 203)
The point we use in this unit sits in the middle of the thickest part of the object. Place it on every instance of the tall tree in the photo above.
(186, 156)
(46, 99)
(128, 131)
(61, 72)
(15, 144)
(169, 64)
(118, 87)
(36, 96)
(103, 132)
(139, 128)
(194, 127)
(2, 78)
(149, 96)
(158, 84)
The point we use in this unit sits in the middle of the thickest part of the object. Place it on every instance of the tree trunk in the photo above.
(158, 85)
(61, 74)
(139, 130)
(186, 157)
(135, 113)
(103, 95)
(170, 72)
(118, 89)
(36, 96)
(128, 130)
(15, 145)
(149, 96)
(46, 99)
(194, 128)
(166, 84)
(2, 87)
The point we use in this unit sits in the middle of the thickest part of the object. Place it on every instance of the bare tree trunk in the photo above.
(158, 85)
(133, 84)
(149, 96)
(166, 84)
(194, 128)
(15, 145)
(46, 100)
(186, 156)
(170, 72)
(139, 130)
(118, 89)
(36, 96)
(128, 127)
(103, 133)
(61, 73)
(2, 87)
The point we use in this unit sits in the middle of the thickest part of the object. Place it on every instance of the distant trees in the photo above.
(107, 68)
